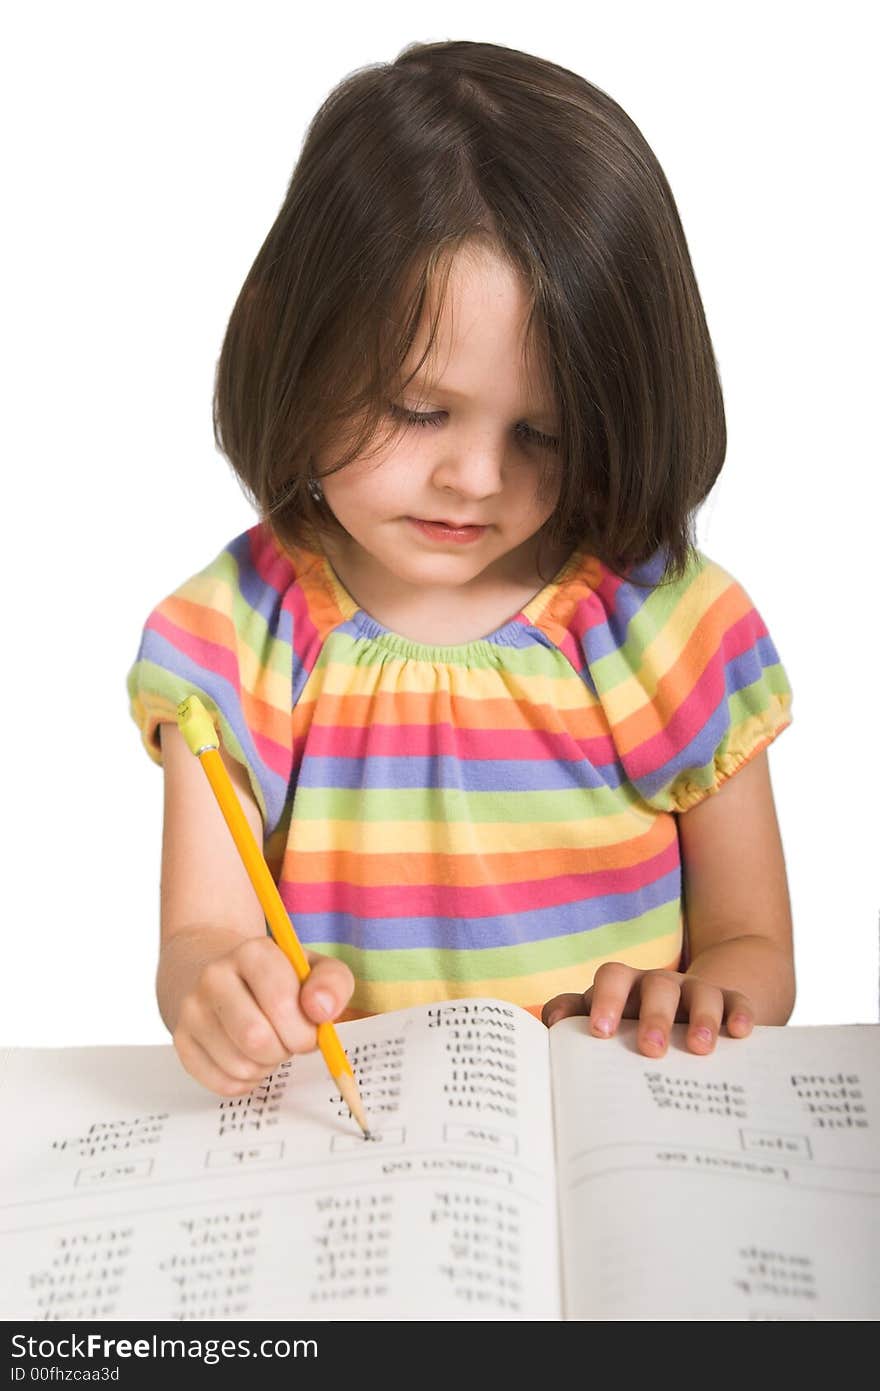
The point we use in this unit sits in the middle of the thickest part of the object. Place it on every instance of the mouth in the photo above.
(458, 532)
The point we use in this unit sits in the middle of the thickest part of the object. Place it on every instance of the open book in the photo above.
(517, 1174)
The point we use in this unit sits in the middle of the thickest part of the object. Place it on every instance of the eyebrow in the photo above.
(419, 380)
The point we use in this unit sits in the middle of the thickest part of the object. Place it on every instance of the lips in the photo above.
(458, 533)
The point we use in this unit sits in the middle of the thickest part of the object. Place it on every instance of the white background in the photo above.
(148, 149)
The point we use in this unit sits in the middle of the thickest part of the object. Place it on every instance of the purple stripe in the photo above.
(376, 771)
(514, 929)
(257, 593)
(739, 674)
(199, 680)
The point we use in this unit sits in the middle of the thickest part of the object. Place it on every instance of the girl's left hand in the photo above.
(656, 999)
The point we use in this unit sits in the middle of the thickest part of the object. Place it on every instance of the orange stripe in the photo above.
(438, 707)
(323, 609)
(467, 871)
(555, 617)
(674, 687)
(208, 625)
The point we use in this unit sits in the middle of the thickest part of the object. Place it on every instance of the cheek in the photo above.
(358, 493)
(539, 501)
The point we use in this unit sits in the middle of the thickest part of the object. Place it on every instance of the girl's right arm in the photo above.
(227, 993)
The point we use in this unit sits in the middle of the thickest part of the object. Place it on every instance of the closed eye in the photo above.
(436, 418)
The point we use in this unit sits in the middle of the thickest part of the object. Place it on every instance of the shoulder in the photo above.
(686, 673)
(248, 569)
(600, 618)
(251, 592)
(238, 633)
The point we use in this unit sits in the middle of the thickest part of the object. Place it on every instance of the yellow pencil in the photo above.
(198, 730)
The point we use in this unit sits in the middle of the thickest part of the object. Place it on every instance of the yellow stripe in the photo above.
(257, 677)
(746, 736)
(463, 838)
(664, 650)
(403, 676)
(148, 711)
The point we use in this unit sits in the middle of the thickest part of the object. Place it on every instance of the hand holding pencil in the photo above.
(198, 730)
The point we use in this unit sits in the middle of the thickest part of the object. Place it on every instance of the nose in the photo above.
(472, 468)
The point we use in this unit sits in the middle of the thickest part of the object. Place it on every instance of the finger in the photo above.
(226, 1020)
(659, 1000)
(205, 1070)
(703, 1005)
(562, 1007)
(739, 1014)
(614, 988)
(327, 988)
(255, 998)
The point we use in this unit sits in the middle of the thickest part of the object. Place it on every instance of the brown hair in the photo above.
(456, 145)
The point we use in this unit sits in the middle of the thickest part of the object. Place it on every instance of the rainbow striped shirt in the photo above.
(495, 818)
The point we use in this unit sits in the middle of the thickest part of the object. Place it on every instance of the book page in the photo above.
(742, 1185)
(131, 1192)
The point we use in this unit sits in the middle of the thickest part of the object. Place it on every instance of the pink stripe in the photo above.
(307, 641)
(478, 901)
(221, 662)
(273, 755)
(588, 614)
(427, 739)
(698, 707)
(277, 570)
(208, 655)
(606, 591)
(268, 560)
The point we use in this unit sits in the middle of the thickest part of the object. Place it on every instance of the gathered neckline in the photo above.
(507, 634)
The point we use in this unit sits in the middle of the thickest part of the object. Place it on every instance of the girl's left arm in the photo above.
(736, 897)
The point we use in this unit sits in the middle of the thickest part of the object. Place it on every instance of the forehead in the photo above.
(481, 334)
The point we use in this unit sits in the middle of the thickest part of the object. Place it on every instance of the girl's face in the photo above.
(476, 463)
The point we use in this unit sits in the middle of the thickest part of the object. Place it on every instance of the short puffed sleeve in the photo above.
(225, 636)
(688, 677)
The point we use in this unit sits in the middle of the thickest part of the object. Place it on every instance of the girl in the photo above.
(500, 726)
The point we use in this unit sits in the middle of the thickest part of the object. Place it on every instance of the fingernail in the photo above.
(323, 1004)
(655, 1038)
(740, 1021)
(552, 1018)
(703, 1035)
(602, 1026)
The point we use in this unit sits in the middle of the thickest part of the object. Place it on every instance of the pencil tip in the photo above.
(351, 1096)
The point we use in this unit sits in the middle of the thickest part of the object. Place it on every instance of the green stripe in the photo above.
(147, 676)
(644, 627)
(252, 630)
(432, 804)
(354, 650)
(530, 958)
(754, 700)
